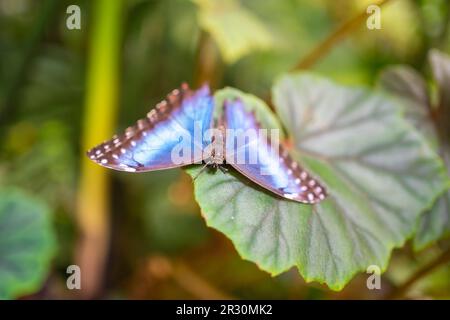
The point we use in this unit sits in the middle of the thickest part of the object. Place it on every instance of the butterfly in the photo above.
(181, 131)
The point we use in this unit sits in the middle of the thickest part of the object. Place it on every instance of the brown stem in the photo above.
(208, 66)
(334, 38)
(419, 274)
(193, 283)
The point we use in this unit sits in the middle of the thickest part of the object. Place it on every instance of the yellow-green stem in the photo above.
(101, 104)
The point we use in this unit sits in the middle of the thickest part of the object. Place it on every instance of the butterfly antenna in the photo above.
(201, 170)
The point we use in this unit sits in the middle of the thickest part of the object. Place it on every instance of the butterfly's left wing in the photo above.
(265, 161)
(170, 136)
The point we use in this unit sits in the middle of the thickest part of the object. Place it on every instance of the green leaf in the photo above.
(410, 88)
(438, 222)
(236, 30)
(434, 223)
(379, 173)
(26, 244)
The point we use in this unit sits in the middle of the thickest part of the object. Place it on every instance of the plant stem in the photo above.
(193, 283)
(208, 65)
(101, 106)
(333, 39)
(419, 274)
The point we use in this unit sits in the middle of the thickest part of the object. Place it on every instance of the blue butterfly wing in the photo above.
(263, 160)
(170, 136)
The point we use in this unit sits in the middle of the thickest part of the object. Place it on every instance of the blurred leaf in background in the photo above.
(432, 118)
(27, 243)
(236, 30)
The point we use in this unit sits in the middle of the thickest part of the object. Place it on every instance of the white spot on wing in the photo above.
(127, 168)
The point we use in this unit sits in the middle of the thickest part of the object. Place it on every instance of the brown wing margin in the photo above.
(108, 152)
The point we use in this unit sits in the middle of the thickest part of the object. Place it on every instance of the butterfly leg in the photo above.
(223, 169)
(201, 170)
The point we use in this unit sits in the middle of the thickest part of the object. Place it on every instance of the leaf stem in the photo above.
(332, 40)
(419, 274)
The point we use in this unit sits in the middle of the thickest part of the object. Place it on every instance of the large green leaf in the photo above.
(235, 29)
(409, 87)
(379, 173)
(26, 244)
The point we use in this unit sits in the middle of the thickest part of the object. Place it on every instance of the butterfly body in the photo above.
(180, 131)
(218, 151)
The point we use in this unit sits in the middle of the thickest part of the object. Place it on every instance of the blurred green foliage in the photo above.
(27, 243)
(432, 118)
(156, 224)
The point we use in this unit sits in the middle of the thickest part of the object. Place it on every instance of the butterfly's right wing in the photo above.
(170, 136)
(272, 167)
